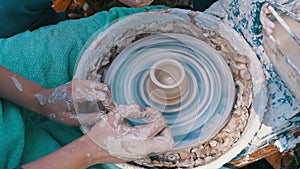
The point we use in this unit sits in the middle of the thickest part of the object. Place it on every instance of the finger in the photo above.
(90, 119)
(101, 86)
(92, 91)
(103, 94)
(135, 111)
(153, 114)
(114, 118)
(117, 115)
(130, 111)
(161, 143)
(166, 132)
(150, 129)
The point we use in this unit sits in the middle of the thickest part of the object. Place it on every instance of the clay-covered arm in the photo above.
(57, 103)
(112, 140)
(19, 90)
(79, 154)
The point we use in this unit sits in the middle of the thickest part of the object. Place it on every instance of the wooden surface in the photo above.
(61, 5)
(260, 154)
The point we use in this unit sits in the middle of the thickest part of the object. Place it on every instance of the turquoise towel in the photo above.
(46, 56)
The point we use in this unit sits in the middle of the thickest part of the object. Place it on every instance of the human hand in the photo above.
(137, 3)
(120, 140)
(60, 103)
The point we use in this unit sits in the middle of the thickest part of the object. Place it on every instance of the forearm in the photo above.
(81, 153)
(19, 90)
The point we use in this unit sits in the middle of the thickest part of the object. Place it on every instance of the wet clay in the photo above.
(17, 83)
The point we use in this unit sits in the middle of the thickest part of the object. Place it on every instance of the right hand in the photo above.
(120, 140)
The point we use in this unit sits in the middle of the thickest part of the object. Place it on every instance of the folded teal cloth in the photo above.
(47, 56)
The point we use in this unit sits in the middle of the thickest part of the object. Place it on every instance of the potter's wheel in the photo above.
(206, 97)
(213, 113)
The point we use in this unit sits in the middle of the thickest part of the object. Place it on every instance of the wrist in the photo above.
(98, 155)
(41, 95)
(81, 153)
(89, 152)
(31, 102)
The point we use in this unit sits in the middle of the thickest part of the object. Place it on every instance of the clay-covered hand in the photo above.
(60, 103)
(137, 3)
(113, 134)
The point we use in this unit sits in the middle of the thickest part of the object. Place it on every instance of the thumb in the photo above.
(90, 119)
(162, 142)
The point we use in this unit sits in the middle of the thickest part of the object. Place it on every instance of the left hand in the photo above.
(59, 103)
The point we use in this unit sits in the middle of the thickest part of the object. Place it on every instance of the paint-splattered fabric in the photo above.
(47, 56)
